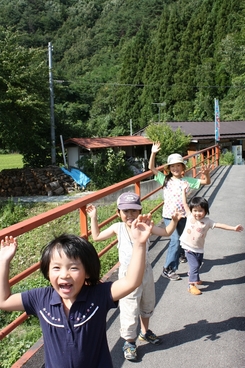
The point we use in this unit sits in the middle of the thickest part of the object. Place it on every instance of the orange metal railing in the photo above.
(208, 156)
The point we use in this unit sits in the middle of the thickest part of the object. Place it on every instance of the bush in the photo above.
(106, 168)
(226, 158)
(10, 213)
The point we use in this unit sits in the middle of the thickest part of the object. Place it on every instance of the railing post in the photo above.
(208, 158)
(214, 157)
(83, 222)
(218, 154)
(202, 159)
(194, 170)
(137, 188)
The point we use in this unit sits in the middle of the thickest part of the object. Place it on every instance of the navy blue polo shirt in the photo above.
(79, 341)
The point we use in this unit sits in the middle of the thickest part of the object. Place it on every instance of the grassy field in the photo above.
(11, 161)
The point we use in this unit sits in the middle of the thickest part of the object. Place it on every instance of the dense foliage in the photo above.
(114, 61)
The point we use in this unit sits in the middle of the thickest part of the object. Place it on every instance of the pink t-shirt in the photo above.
(194, 234)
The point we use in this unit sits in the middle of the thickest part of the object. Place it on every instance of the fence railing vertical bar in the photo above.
(83, 222)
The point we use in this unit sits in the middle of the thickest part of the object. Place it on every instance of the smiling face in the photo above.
(66, 275)
(128, 216)
(177, 170)
(198, 212)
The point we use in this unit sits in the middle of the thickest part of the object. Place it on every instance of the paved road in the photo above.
(197, 331)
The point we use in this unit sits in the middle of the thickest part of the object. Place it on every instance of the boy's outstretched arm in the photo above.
(168, 230)
(95, 231)
(140, 231)
(184, 200)
(237, 228)
(155, 148)
(8, 301)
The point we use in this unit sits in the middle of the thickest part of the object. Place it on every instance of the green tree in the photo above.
(24, 99)
(171, 141)
(131, 79)
(119, 57)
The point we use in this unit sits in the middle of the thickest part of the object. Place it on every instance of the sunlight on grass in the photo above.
(11, 161)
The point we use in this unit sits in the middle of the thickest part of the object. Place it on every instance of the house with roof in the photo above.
(134, 146)
(232, 138)
(232, 135)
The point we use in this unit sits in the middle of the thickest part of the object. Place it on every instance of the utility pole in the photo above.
(53, 151)
(131, 128)
(159, 104)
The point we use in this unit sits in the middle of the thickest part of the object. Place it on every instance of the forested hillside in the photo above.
(113, 60)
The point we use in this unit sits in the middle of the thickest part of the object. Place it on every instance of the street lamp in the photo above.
(159, 104)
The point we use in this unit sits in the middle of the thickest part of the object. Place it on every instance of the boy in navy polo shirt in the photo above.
(72, 311)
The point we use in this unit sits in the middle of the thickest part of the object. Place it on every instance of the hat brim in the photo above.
(175, 162)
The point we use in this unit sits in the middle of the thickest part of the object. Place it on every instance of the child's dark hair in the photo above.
(74, 247)
(199, 201)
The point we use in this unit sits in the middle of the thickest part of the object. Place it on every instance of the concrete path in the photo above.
(197, 331)
(206, 330)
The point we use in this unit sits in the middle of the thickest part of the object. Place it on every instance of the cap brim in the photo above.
(127, 206)
(173, 163)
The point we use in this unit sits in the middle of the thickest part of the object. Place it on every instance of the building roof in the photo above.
(106, 142)
(199, 130)
(205, 129)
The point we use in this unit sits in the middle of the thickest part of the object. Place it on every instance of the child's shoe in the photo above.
(182, 258)
(194, 290)
(171, 275)
(129, 351)
(149, 336)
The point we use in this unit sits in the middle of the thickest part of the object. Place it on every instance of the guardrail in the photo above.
(209, 156)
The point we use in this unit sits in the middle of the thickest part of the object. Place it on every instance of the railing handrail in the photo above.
(81, 203)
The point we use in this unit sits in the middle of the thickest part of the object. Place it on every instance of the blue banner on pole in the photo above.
(217, 120)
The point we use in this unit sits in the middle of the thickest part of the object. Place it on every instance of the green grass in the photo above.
(11, 161)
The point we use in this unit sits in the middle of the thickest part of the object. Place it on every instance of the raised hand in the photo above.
(8, 248)
(155, 147)
(91, 211)
(178, 214)
(141, 228)
(205, 170)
